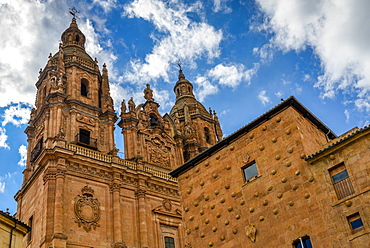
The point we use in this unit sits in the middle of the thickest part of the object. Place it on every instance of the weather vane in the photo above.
(179, 63)
(73, 11)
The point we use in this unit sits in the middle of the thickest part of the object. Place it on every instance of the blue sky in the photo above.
(241, 56)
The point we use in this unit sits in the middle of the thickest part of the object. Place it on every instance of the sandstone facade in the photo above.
(260, 187)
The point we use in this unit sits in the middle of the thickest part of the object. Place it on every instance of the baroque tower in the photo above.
(76, 191)
(174, 138)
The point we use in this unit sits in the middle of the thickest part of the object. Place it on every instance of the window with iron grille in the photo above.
(341, 181)
(169, 242)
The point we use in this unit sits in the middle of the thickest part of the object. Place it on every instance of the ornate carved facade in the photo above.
(76, 191)
(174, 138)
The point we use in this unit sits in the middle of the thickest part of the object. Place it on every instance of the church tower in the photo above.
(196, 128)
(73, 103)
(170, 140)
(76, 191)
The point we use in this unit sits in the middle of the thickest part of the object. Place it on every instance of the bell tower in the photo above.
(76, 191)
(73, 103)
(196, 128)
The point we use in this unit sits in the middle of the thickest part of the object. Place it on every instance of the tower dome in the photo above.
(73, 36)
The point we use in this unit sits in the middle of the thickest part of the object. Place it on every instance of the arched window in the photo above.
(77, 38)
(178, 91)
(207, 135)
(169, 242)
(153, 121)
(84, 87)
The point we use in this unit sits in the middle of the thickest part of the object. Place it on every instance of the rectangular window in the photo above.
(30, 224)
(302, 242)
(250, 171)
(169, 242)
(341, 181)
(84, 136)
(355, 222)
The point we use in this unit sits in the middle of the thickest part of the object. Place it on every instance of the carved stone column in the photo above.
(140, 194)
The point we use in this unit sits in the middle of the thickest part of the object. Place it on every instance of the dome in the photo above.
(73, 36)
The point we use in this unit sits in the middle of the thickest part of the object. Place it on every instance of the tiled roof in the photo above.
(290, 102)
(13, 219)
(339, 141)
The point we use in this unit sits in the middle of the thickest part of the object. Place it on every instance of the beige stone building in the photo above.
(12, 231)
(76, 191)
(283, 180)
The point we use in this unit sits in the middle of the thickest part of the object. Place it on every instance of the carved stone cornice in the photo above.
(49, 175)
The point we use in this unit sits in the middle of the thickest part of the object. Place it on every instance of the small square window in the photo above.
(250, 171)
(302, 242)
(355, 222)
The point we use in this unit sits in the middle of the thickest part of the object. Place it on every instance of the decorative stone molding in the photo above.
(87, 209)
(119, 245)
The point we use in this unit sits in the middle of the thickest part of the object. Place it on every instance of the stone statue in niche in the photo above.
(87, 209)
(251, 232)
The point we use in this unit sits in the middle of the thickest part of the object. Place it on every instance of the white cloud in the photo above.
(2, 187)
(231, 75)
(17, 115)
(23, 153)
(179, 38)
(263, 98)
(107, 5)
(204, 88)
(220, 5)
(279, 94)
(3, 138)
(337, 31)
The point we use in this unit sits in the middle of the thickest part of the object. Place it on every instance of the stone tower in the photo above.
(174, 138)
(196, 128)
(76, 191)
(73, 102)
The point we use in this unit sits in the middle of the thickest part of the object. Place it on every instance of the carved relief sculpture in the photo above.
(87, 209)
(251, 232)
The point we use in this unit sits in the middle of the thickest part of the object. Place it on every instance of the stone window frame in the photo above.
(353, 217)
